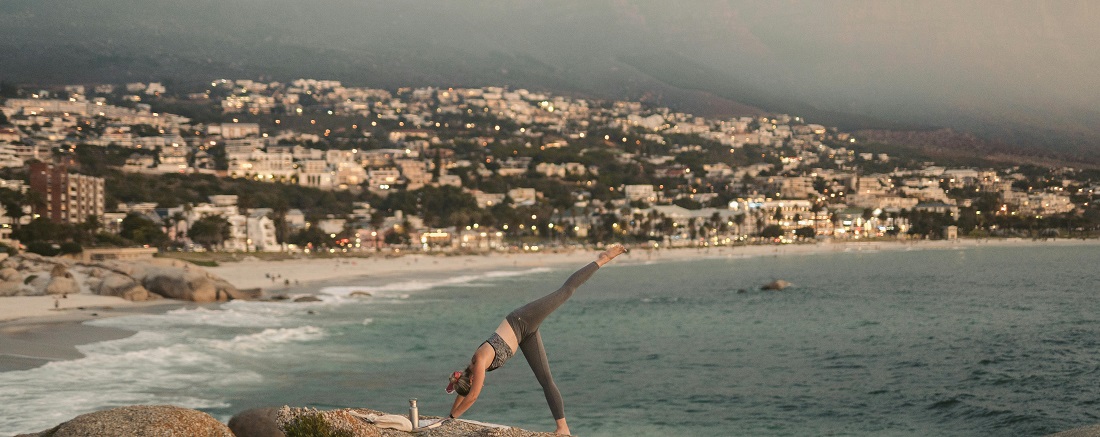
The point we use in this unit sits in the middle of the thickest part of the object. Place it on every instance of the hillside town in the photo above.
(444, 169)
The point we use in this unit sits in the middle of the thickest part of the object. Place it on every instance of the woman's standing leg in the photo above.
(535, 354)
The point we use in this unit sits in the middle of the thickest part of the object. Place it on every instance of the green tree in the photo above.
(397, 238)
(771, 231)
(71, 247)
(86, 231)
(311, 236)
(210, 231)
(43, 248)
(40, 229)
(805, 232)
(13, 202)
(142, 230)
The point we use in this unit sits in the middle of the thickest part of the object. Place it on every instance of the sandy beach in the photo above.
(33, 331)
(254, 273)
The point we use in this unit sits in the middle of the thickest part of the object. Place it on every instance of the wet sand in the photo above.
(30, 342)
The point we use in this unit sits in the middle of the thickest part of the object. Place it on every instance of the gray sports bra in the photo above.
(503, 352)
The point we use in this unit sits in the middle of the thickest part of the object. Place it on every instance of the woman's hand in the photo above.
(613, 251)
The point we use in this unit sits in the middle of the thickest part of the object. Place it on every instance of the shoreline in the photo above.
(35, 339)
(34, 333)
(308, 273)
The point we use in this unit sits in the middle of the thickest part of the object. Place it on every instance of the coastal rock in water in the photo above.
(777, 285)
(359, 293)
(141, 420)
(257, 422)
(225, 288)
(308, 299)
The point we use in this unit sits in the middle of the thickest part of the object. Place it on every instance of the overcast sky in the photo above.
(1031, 64)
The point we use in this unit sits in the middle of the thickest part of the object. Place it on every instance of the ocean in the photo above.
(973, 341)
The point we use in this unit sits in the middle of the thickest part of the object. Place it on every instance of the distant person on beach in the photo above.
(521, 329)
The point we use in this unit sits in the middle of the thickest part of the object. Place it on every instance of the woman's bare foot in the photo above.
(563, 428)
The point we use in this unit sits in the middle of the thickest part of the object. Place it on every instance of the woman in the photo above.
(521, 329)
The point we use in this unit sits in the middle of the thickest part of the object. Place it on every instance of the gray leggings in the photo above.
(525, 322)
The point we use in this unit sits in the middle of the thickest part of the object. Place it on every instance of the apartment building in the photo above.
(67, 197)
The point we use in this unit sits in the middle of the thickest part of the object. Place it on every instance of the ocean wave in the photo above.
(400, 289)
(235, 314)
(148, 368)
(266, 339)
(182, 362)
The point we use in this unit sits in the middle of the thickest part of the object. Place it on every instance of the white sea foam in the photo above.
(148, 368)
(186, 362)
(400, 289)
(267, 339)
(230, 315)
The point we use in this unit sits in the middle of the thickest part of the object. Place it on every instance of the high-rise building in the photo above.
(66, 197)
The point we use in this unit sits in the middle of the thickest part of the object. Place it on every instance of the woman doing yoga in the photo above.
(521, 329)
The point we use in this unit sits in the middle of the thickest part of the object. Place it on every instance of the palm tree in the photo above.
(740, 221)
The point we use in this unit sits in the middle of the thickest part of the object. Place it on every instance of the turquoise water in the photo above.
(954, 342)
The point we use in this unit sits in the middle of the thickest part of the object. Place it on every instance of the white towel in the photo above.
(391, 421)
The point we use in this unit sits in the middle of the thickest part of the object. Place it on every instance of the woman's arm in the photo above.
(477, 381)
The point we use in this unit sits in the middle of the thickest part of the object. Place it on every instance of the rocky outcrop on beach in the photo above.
(150, 420)
(257, 422)
(136, 280)
(1088, 431)
(353, 422)
(167, 420)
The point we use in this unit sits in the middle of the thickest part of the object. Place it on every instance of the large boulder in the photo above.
(334, 421)
(114, 284)
(257, 422)
(181, 284)
(188, 284)
(141, 420)
(8, 274)
(15, 288)
(62, 282)
(136, 280)
(37, 282)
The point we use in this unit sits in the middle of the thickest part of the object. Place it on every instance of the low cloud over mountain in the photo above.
(1021, 73)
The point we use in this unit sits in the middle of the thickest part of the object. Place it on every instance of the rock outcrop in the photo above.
(140, 280)
(257, 422)
(114, 284)
(169, 421)
(61, 282)
(140, 420)
(1088, 431)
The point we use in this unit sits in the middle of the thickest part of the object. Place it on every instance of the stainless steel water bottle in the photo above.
(414, 415)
